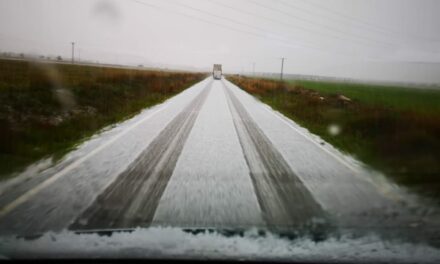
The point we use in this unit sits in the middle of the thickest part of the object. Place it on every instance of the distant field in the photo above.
(413, 99)
(395, 130)
(45, 109)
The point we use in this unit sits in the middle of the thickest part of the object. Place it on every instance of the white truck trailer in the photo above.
(217, 71)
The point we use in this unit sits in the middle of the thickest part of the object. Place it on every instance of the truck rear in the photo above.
(217, 71)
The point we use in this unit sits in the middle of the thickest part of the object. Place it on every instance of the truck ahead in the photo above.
(217, 71)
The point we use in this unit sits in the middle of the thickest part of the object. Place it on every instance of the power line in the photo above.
(305, 29)
(383, 29)
(361, 37)
(290, 26)
(235, 29)
(197, 18)
(341, 16)
(338, 19)
(263, 31)
(217, 16)
(287, 25)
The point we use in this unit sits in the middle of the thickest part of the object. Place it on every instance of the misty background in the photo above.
(393, 40)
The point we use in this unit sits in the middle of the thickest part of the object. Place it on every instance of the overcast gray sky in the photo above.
(395, 40)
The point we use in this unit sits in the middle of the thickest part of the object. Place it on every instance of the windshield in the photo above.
(279, 130)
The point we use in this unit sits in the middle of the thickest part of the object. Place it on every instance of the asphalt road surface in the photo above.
(211, 157)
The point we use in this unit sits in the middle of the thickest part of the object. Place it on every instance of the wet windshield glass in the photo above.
(223, 129)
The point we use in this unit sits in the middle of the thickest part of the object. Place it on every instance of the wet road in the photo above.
(211, 157)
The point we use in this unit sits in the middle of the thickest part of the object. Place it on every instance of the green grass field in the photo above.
(46, 109)
(394, 130)
(413, 99)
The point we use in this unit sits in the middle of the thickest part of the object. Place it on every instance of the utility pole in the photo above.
(282, 68)
(253, 69)
(73, 52)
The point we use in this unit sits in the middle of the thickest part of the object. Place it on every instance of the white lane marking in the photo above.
(24, 197)
(277, 115)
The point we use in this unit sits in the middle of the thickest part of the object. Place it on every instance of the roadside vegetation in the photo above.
(404, 98)
(395, 130)
(46, 109)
